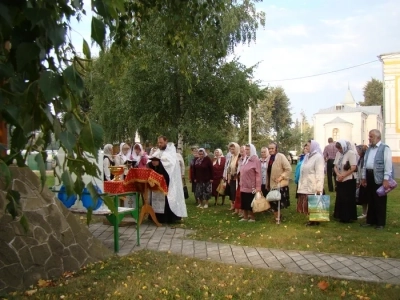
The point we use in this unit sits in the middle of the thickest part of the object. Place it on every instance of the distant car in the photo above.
(292, 157)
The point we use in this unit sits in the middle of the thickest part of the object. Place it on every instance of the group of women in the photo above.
(309, 177)
(243, 173)
(131, 156)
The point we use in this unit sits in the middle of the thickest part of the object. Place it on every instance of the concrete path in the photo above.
(349, 267)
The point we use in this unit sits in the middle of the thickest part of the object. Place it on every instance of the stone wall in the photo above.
(55, 243)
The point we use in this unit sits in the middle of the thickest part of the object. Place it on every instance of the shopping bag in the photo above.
(221, 187)
(259, 203)
(274, 195)
(381, 190)
(318, 207)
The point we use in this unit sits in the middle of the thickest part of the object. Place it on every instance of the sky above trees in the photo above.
(310, 37)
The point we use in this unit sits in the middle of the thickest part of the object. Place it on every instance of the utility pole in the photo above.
(249, 124)
(250, 118)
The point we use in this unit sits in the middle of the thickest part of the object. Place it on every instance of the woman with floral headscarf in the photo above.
(108, 161)
(250, 181)
(203, 176)
(218, 172)
(345, 166)
(361, 198)
(311, 180)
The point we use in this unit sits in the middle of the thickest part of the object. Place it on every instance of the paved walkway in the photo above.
(349, 267)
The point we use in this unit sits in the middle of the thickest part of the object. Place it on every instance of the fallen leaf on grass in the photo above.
(343, 294)
(68, 274)
(323, 285)
(44, 283)
(30, 292)
(385, 255)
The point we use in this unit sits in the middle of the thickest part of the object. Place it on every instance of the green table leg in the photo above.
(116, 227)
(137, 220)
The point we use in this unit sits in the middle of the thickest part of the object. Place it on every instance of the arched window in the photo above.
(335, 134)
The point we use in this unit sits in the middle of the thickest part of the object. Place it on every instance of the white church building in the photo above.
(347, 120)
(391, 103)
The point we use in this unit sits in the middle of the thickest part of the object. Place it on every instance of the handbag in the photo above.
(274, 194)
(185, 190)
(318, 207)
(221, 187)
(392, 185)
(259, 203)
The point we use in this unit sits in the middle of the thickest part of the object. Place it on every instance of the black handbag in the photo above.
(185, 190)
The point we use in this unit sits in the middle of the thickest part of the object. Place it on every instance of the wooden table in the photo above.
(141, 181)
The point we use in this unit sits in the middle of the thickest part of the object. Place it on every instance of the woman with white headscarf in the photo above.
(203, 176)
(345, 166)
(311, 180)
(139, 156)
(279, 170)
(107, 162)
(250, 181)
(218, 174)
(123, 155)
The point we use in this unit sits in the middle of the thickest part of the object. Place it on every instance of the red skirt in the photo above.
(238, 199)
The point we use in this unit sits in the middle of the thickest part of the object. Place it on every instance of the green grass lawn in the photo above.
(217, 224)
(157, 275)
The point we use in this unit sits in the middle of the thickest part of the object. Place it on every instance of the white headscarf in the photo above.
(134, 156)
(218, 160)
(204, 150)
(253, 152)
(221, 154)
(314, 148)
(126, 156)
(199, 160)
(346, 146)
(108, 151)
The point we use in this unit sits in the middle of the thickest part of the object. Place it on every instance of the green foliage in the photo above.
(271, 119)
(183, 90)
(41, 84)
(373, 93)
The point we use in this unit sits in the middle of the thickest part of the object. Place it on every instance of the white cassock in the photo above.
(176, 199)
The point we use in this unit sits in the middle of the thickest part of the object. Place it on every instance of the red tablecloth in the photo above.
(155, 181)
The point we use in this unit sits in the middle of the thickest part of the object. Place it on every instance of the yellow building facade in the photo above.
(391, 104)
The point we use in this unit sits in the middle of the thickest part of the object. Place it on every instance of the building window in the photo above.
(335, 134)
